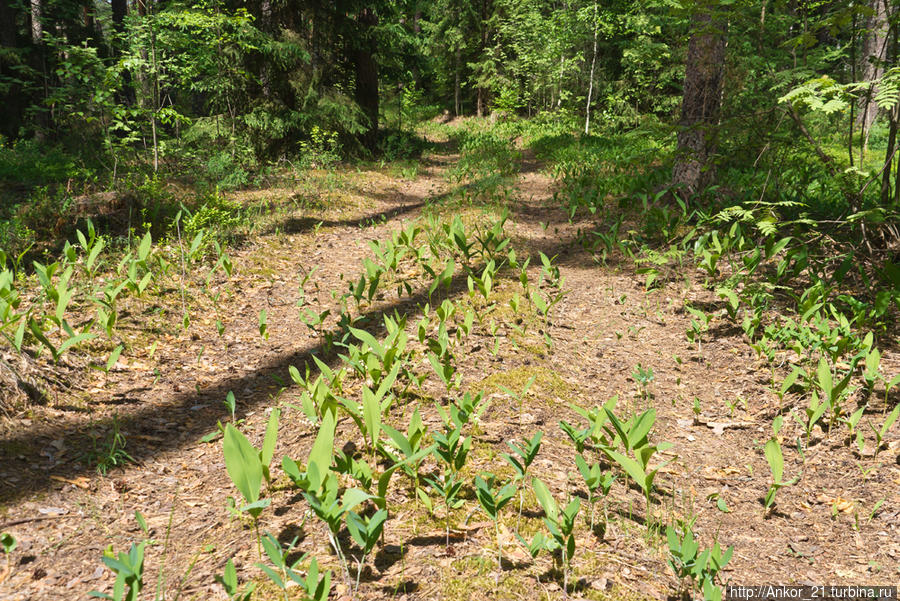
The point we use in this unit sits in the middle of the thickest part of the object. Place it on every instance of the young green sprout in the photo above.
(248, 466)
(229, 582)
(560, 524)
(492, 501)
(526, 455)
(775, 459)
(314, 587)
(700, 567)
(643, 376)
(8, 544)
(365, 531)
(595, 480)
(880, 433)
(448, 487)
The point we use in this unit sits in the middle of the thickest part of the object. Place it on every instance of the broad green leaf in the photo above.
(791, 379)
(321, 453)
(114, 357)
(326, 371)
(388, 381)
(195, 243)
(775, 458)
(141, 522)
(38, 333)
(20, 335)
(70, 342)
(545, 499)
(290, 467)
(889, 421)
(825, 381)
(894, 381)
(539, 302)
(242, 463)
(618, 426)
(631, 467)
(8, 542)
(260, 504)
(268, 447)
(730, 295)
(639, 430)
(229, 577)
(95, 252)
(371, 415)
(272, 574)
(369, 340)
(353, 497)
(118, 566)
(144, 248)
(438, 367)
(401, 442)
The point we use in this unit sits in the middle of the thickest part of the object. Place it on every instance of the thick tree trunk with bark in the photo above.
(37, 25)
(39, 61)
(265, 25)
(367, 75)
(874, 53)
(119, 10)
(87, 19)
(480, 91)
(12, 101)
(701, 104)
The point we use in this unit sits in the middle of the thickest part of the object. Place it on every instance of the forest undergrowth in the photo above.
(516, 365)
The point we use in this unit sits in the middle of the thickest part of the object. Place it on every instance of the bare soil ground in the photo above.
(166, 395)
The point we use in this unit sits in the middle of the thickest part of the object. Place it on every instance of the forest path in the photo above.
(602, 330)
(168, 395)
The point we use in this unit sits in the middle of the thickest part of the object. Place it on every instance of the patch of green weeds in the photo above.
(109, 452)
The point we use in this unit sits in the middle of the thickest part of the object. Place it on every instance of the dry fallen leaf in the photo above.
(843, 505)
(80, 481)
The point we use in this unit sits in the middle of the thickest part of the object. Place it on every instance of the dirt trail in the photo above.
(64, 519)
(601, 331)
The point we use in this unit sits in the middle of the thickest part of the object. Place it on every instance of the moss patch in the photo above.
(547, 383)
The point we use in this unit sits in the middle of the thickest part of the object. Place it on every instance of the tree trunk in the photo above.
(12, 101)
(87, 12)
(142, 92)
(587, 111)
(367, 75)
(119, 10)
(456, 86)
(7, 25)
(853, 33)
(39, 62)
(874, 53)
(892, 135)
(559, 83)
(701, 103)
(265, 25)
(888, 160)
(480, 91)
(37, 26)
